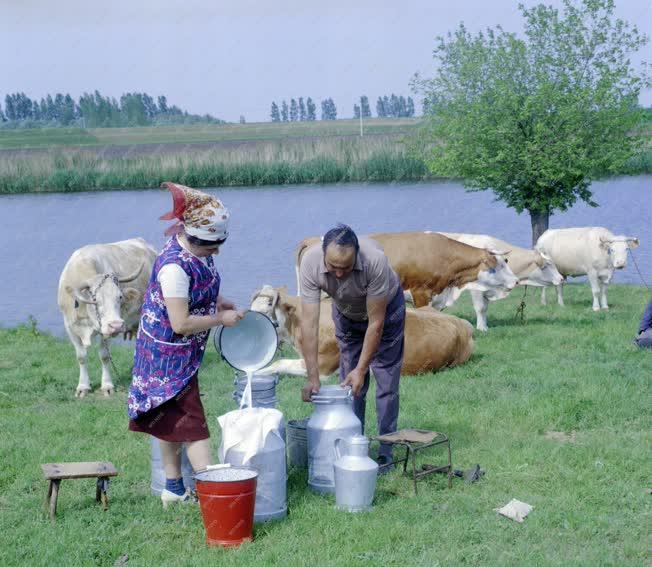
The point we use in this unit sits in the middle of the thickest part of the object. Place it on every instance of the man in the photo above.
(369, 316)
(644, 338)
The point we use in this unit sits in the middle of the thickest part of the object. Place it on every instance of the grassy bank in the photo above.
(275, 162)
(556, 411)
(197, 133)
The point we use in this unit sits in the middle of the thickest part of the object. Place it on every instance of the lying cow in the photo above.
(433, 340)
(529, 266)
(435, 269)
(589, 251)
(93, 302)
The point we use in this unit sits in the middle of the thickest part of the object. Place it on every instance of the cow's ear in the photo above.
(132, 294)
(633, 243)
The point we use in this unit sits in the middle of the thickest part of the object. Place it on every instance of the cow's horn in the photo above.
(79, 296)
(498, 252)
(133, 276)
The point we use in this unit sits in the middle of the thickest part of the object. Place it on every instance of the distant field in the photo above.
(198, 133)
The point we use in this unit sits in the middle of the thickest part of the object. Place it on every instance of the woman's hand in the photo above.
(230, 317)
(224, 304)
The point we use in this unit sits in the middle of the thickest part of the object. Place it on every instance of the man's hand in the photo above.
(355, 379)
(230, 318)
(309, 389)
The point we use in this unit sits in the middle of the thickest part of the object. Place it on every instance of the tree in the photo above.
(275, 115)
(537, 118)
(364, 107)
(311, 110)
(380, 108)
(356, 111)
(294, 110)
(410, 106)
(2, 116)
(302, 109)
(242, 119)
(328, 109)
(284, 111)
(387, 106)
(162, 104)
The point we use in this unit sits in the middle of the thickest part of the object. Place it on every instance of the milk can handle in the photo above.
(338, 453)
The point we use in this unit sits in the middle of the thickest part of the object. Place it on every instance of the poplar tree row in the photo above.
(295, 112)
(95, 111)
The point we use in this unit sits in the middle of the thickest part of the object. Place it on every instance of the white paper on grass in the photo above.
(246, 430)
(515, 510)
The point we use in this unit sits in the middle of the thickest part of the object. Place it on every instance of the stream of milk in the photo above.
(247, 399)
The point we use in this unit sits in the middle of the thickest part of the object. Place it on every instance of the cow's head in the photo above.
(270, 301)
(103, 298)
(542, 273)
(616, 248)
(494, 274)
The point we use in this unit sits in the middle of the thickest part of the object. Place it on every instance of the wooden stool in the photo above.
(56, 472)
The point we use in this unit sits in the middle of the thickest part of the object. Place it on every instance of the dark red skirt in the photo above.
(179, 420)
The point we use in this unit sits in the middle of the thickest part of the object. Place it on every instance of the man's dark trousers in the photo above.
(386, 364)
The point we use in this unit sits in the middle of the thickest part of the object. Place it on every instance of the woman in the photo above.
(181, 304)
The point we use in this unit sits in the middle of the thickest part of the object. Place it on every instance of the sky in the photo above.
(234, 58)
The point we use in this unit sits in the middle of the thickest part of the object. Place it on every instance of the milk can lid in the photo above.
(332, 393)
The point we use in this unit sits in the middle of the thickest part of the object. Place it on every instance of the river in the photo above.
(42, 230)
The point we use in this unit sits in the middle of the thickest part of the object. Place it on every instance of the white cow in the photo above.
(93, 302)
(529, 266)
(588, 251)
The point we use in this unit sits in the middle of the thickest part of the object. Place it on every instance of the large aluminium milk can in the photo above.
(332, 419)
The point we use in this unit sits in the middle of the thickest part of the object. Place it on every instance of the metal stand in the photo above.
(415, 441)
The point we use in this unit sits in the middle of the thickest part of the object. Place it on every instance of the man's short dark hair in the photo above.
(342, 235)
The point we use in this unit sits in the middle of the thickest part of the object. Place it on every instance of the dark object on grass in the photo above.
(469, 475)
(644, 338)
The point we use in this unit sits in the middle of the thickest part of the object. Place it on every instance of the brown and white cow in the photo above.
(529, 266)
(433, 340)
(435, 269)
(93, 301)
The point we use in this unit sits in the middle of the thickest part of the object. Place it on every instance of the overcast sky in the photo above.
(233, 58)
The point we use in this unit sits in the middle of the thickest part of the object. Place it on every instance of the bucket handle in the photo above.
(217, 467)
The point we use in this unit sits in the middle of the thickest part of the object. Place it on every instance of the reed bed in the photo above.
(279, 162)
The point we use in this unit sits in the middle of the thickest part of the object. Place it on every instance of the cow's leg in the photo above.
(604, 284)
(480, 304)
(543, 295)
(594, 281)
(560, 294)
(105, 358)
(84, 386)
(292, 366)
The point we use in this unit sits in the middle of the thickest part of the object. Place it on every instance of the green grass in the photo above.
(197, 133)
(567, 369)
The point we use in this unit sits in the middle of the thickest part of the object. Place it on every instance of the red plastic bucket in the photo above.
(227, 497)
